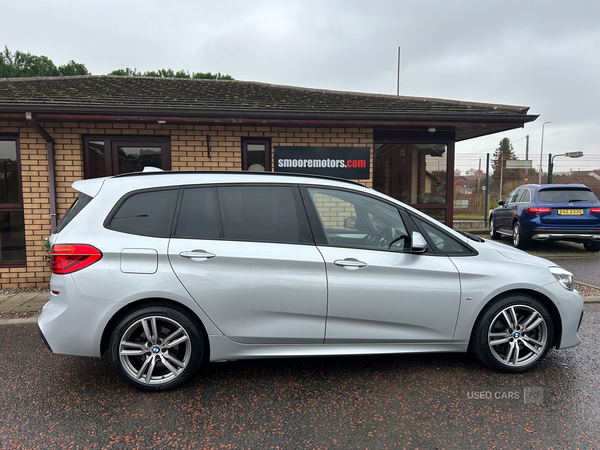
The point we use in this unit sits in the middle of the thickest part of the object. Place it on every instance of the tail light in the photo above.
(536, 211)
(69, 258)
(594, 210)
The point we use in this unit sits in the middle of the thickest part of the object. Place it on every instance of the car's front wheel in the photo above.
(592, 246)
(156, 348)
(518, 240)
(513, 334)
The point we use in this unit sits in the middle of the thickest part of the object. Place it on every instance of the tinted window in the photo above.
(259, 213)
(352, 220)
(440, 240)
(80, 202)
(566, 195)
(146, 213)
(199, 215)
(525, 196)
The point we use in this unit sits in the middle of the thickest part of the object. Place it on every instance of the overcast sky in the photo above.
(540, 54)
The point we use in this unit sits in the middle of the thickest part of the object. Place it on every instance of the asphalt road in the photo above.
(376, 402)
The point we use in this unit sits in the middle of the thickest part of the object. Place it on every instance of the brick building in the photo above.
(54, 131)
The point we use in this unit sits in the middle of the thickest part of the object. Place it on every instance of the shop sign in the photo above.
(342, 162)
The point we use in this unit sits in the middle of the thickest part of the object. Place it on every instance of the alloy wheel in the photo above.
(518, 335)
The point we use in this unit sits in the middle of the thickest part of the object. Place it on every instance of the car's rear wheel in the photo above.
(493, 233)
(518, 240)
(592, 246)
(513, 334)
(156, 348)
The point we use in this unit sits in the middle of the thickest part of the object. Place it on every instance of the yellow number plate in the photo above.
(570, 212)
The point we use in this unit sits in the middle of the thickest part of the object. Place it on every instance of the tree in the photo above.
(504, 152)
(20, 64)
(456, 173)
(169, 73)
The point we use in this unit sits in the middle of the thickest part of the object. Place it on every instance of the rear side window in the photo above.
(566, 195)
(80, 202)
(259, 213)
(199, 215)
(148, 213)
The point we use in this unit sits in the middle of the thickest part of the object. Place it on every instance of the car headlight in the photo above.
(564, 277)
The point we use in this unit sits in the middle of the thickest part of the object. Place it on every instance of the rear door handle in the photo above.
(197, 255)
(350, 263)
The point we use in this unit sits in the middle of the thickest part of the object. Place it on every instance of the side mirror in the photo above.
(418, 243)
(500, 202)
(350, 223)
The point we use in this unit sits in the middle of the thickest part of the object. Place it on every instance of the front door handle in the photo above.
(350, 263)
(197, 255)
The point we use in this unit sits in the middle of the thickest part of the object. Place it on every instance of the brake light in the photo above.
(594, 210)
(536, 211)
(69, 258)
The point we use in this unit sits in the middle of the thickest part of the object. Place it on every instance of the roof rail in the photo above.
(231, 172)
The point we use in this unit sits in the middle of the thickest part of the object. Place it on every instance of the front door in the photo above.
(378, 291)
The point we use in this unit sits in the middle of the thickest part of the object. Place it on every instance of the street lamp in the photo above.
(551, 162)
(542, 152)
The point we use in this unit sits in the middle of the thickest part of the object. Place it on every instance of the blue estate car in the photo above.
(548, 212)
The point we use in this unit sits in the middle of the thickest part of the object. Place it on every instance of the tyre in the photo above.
(592, 246)
(493, 233)
(156, 348)
(513, 334)
(518, 240)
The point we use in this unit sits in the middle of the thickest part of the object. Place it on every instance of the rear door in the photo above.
(246, 255)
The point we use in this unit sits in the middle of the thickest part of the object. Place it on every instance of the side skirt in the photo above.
(224, 349)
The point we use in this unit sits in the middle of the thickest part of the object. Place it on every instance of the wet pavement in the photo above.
(436, 401)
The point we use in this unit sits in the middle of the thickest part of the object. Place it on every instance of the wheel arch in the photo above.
(126, 309)
(548, 304)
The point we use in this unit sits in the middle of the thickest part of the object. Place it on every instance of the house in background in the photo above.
(54, 131)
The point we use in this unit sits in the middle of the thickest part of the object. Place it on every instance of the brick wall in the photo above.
(188, 152)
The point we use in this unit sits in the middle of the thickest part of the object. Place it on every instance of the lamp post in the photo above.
(551, 162)
(542, 153)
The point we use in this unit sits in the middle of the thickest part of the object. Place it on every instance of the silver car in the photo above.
(166, 270)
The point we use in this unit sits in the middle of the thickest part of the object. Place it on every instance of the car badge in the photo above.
(570, 204)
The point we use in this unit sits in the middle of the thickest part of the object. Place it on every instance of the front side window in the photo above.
(12, 223)
(511, 197)
(441, 242)
(359, 221)
(112, 155)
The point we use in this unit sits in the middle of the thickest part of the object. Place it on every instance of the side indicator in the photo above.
(69, 258)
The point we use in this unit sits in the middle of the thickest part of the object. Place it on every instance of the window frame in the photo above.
(15, 207)
(112, 142)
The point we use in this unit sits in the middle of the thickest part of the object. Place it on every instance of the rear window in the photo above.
(148, 213)
(80, 202)
(566, 195)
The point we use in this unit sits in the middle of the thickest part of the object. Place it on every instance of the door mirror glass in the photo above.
(418, 244)
(500, 202)
(350, 223)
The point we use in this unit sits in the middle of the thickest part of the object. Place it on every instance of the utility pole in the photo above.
(487, 189)
(398, 77)
(527, 155)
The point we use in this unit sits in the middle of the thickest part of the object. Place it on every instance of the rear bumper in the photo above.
(565, 235)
